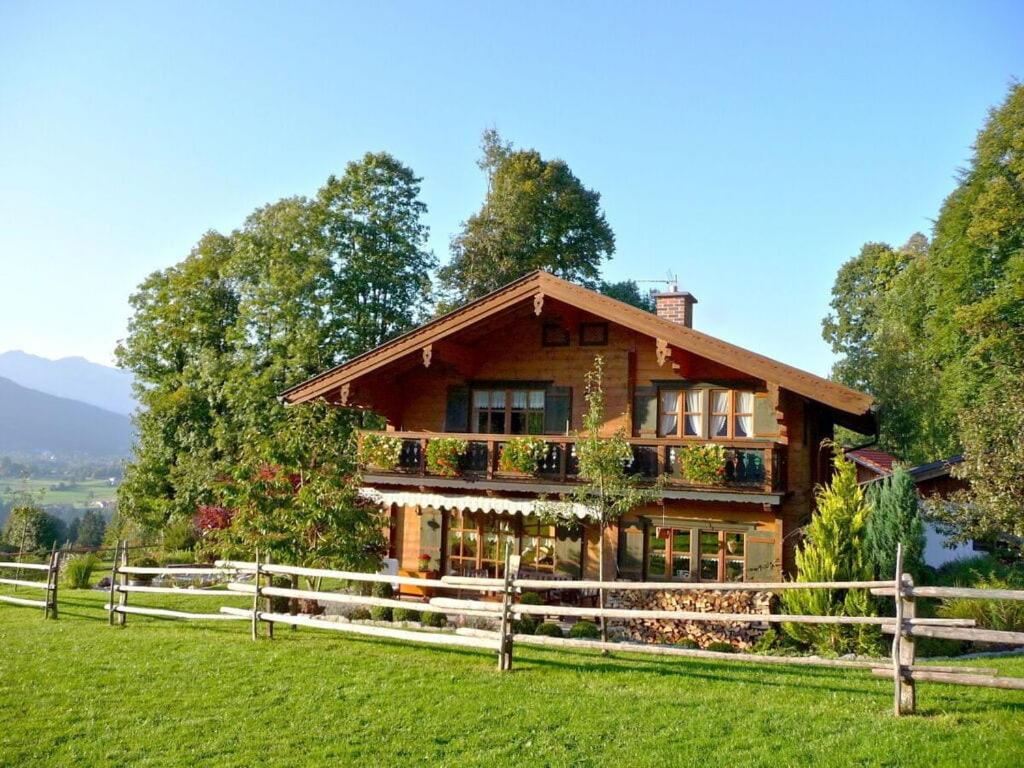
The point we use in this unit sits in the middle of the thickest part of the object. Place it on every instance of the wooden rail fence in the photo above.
(496, 600)
(52, 570)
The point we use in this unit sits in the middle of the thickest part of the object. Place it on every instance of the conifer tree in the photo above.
(895, 518)
(834, 551)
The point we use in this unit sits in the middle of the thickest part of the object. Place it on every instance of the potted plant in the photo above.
(380, 451)
(702, 464)
(520, 455)
(444, 455)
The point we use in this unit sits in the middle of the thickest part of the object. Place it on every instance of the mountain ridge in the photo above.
(74, 378)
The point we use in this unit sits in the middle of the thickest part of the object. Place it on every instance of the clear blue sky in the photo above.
(750, 148)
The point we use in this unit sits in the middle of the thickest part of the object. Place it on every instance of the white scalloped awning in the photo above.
(471, 503)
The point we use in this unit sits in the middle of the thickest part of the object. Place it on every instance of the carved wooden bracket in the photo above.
(662, 351)
(428, 352)
(343, 397)
(538, 303)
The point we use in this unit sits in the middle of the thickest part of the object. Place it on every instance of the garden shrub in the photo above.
(585, 630)
(549, 629)
(382, 589)
(721, 647)
(78, 571)
(434, 619)
(525, 626)
(380, 613)
(1003, 615)
(405, 614)
(359, 613)
(687, 643)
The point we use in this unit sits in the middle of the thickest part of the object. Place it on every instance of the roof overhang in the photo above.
(849, 404)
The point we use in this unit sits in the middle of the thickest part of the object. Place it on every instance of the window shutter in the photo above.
(430, 535)
(557, 410)
(569, 551)
(764, 417)
(456, 414)
(645, 412)
(761, 565)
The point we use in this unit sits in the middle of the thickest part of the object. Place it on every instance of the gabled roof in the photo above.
(873, 459)
(529, 286)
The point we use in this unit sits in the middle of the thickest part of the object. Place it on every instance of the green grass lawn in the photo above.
(75, 495)
(78, 693)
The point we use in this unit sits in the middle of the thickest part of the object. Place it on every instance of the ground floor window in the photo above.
(475, 545)
(694, 554)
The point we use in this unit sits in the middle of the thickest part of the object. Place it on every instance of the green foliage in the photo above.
(895, 518)
(935, 331)
(380, 450)
(521, 454)
(91, 528)
(380, 613)
(382, 589)
(702, 464)
(537, 215)
(627, 292)
(32, 529)
(686, 643)
(78, 571)
(406, 614)
(431, 619)
(360, 613)
(296, 495)
(549, 629)
(721, 647)
(1003, 615)
(300, 286)
(833, 550)
(444, 455)
(585, 630)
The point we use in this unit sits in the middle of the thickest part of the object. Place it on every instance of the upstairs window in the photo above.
(743, 416)
(682, 412)
(508, 411)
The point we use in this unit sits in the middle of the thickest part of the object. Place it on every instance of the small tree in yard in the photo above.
(895, 518)
(834, 551)
(296, 495)
(607, 490)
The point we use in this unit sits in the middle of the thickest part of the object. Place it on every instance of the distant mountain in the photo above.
(32, 421)
(73, 377)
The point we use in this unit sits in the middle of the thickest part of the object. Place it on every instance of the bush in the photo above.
(585, 630)
(1003, 615)
(359, 613)
(434, 619)
(687, 643)
(721, 647)
(766, 643)
(382, 589)
(175, 557)
(78, 571)
(528, 624)
(405, 614)
(380, 613)
(549, 629)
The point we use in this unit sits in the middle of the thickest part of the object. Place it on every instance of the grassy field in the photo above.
(155, 693)
(77, 494)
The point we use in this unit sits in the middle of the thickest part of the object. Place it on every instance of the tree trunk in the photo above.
(600, 577)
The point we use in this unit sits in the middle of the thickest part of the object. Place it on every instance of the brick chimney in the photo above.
(675, 305)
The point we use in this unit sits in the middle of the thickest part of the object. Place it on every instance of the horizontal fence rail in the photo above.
(49, 585)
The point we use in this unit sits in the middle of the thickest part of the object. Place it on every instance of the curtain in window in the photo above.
(744, 414)
(669, 413)
(695, 412)
(720, 411)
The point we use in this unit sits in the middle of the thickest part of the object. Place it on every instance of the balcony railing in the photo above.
(748, 464)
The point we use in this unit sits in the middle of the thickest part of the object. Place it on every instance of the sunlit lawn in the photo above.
(78, 693)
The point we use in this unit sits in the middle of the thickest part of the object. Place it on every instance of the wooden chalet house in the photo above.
(513, 363)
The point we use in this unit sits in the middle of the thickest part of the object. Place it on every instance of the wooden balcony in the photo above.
(751, 465)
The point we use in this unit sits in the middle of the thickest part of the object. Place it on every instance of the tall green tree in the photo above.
(91, 528)
(302, 285)
(834, 550)
(537, 215)
(895, 519)
(629, 292)
(33, 529)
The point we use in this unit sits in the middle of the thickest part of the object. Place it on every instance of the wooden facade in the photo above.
(514, 362)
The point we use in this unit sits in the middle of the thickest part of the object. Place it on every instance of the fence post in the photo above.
(505, 643)
(256, 599)
(904, 694)
(49, 607)
(122, 599)
(51, 594)
(113, 583)
(267, 602)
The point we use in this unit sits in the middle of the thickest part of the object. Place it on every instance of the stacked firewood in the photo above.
(740, 635)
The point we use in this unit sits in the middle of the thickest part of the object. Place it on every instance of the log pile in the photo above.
(740, 636)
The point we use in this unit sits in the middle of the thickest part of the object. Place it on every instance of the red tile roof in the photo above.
(878, 461)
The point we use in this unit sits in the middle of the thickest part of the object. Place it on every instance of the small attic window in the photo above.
(593, 334)
(554, 335)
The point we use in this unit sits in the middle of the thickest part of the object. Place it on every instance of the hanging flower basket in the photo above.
(380, 450)
(521, 455)
(444, 455)
(702, 464)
